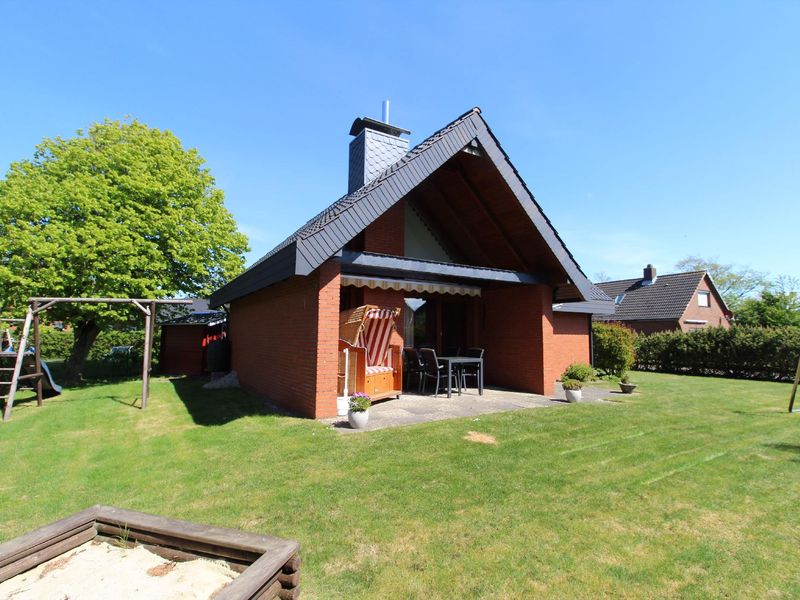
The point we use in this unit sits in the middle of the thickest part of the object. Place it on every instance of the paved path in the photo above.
(411, 408)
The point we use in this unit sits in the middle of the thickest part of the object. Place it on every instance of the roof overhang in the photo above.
(591, 307)
(384, 264)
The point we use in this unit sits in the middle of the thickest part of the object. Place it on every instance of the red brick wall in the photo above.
(386, 235)
(713, 313)
(279, 346)
(517, 334)
(571, 340)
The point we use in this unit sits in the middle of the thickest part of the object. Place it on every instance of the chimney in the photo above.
(649, 275)
(375, 147)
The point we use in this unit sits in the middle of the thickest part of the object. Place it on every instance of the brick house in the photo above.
(673, 302)
(447, 234)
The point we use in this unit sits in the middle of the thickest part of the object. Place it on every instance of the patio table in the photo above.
(462, 360)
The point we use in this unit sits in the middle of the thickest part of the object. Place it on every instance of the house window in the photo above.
(703, 299)
(618, 300)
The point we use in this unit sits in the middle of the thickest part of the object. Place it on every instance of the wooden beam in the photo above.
(37, 353)
(794, 387)
(112, 300)
(453, 216)
(146, 358)
(477, 200)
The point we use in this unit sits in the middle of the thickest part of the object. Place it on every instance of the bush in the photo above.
(53, 344)
(579, 371)
(572, 384)
(613, 348)
(56, 345)
(743, 352)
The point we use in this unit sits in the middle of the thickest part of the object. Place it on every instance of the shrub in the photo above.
(744, 352)
(579, 371)
(572, 384)
(360, 402)
(56, 345)
(613, 348)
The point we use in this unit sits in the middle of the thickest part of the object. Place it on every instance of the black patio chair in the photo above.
(452, 351)
(436, 372)
(414, 366)
(472, 371)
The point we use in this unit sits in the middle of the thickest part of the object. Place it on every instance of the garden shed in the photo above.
(185, 340)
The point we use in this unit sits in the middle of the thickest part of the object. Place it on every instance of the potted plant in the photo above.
(358, 414)
(572, 388)
(625, 384)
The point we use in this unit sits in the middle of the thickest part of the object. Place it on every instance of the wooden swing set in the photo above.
(36, 306)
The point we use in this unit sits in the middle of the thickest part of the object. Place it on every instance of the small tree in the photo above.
(613, 348)
(122, 210)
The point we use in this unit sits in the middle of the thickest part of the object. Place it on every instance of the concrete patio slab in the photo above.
(410, 409)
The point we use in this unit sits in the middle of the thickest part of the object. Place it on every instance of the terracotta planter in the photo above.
(627, 388)
(573, 395)
(358, 420)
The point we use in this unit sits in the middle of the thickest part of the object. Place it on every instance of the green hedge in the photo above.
(742, 352)
(56, 345)
(613, 347)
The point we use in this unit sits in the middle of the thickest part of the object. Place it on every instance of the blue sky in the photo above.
(647, 131)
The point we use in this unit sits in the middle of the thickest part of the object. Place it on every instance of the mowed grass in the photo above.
(690, 489)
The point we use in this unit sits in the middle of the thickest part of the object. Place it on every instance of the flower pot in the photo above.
(573, 395)
(627, 388)
(358, 420)
(342, 406)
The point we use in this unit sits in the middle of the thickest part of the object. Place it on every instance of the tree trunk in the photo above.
(85, 335)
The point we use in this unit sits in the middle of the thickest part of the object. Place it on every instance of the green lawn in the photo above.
(689, 489)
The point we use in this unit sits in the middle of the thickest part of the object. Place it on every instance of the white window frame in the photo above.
(707, 296)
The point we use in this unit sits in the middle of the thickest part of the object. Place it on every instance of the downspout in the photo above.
(591, 340)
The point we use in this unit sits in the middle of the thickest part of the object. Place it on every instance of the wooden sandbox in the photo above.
(267, 567)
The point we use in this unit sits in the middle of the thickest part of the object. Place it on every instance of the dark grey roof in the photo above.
(324, 235)
(173, 311)
(597, 303)
(666, 299)
(209, 317)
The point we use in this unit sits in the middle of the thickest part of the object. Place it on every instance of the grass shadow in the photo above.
(785, 447)
(218, 407)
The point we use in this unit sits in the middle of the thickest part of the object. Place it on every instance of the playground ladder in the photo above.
(16, 370)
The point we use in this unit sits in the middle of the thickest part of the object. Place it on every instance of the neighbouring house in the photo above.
(185, 340)
(449, 238)
(674, 302)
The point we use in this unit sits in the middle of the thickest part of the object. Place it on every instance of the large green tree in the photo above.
(734, 283)
(120, 210)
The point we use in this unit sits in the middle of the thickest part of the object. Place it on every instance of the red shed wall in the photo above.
(284, 341)
(182, 351)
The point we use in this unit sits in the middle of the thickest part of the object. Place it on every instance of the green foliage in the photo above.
(360, 402)
(734, 283)
(56, 345)
(613, 348)
(579, 371)
(747, 352)
(772, 309)
(122, 210)
(572, 384)
(625, 378)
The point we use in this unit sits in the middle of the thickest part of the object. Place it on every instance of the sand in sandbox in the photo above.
(98, 571)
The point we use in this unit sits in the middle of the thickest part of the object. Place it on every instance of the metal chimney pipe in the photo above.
(386, 111)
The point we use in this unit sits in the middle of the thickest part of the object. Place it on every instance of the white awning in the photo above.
(410, 285)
